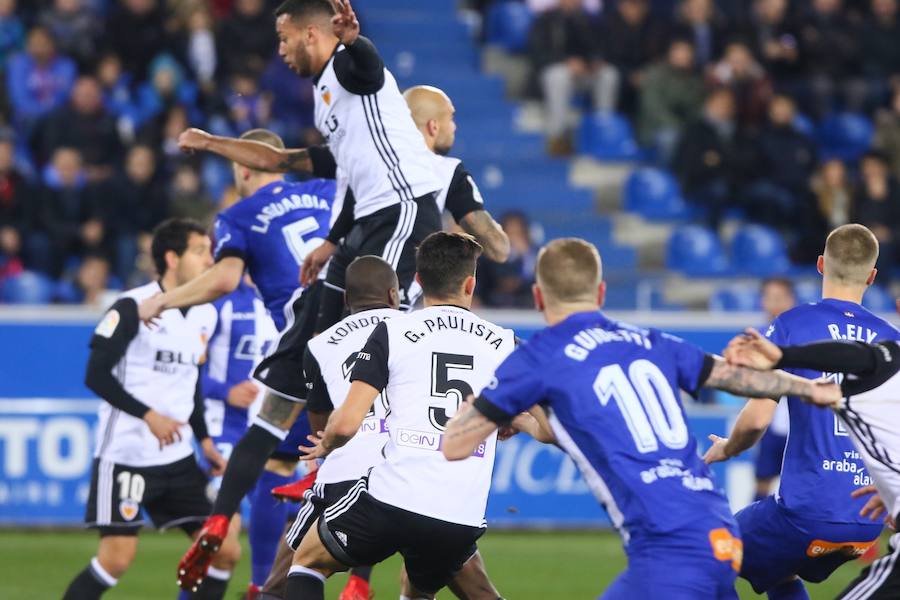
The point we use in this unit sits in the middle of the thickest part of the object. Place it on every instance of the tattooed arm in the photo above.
(279, 411)
(465, 431)
(482, 226)
(255, 155)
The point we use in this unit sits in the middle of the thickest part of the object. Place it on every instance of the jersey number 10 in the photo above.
(647, 403)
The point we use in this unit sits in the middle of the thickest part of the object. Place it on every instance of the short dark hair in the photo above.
(300, 9)
(784, 282)
(172, 234)
(444, 261)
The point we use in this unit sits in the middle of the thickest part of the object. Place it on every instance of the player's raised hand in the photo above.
(314, 262)
(753, 350)
(344, 22)
(165, 429)
(242, 394)
(150, 309)
(716, 452)
(217, 462)
(193, 140)
(317, 450)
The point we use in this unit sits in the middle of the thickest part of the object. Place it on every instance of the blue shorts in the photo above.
(287, 450)
(779, 545)
(770, 453)
(678, 572)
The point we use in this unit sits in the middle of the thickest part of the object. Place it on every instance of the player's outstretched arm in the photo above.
(482, 226)
(749, 427)
(465, 431)
(250, 153)
(222, 278)
(742, 381)
(343, 422)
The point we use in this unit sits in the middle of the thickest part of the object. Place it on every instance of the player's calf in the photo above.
(115, 554)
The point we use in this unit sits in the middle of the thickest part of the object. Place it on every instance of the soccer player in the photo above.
(242, 337)
(415, 502)
(372, 142)
(777, 296)
(148, 380)
(801, 531)
(870, 411)
(268, 233)
(607, 393)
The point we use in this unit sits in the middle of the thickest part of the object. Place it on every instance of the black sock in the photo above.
(212, 588)
(244, 467)
(362, 572)
(87, 585)
(305, 586)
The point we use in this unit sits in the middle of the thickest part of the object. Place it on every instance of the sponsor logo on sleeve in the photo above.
(107, 326)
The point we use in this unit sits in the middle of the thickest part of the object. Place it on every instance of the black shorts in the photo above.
(173, 495)
(282, 370)
(359, 530)
(316, 500)
(881, 579)
(393, 233)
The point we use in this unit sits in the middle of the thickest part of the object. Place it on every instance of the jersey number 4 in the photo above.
(294, 238)
(647, 403)
(442, 386)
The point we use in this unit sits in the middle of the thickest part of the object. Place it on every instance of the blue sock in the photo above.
(183, 595)
(268, 517)
(790, 590)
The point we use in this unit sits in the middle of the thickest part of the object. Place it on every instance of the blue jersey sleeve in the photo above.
(777, 333)
(230, 239)
(516, 387)
(692, 364)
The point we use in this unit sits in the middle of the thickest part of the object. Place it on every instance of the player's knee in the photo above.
(116, 554)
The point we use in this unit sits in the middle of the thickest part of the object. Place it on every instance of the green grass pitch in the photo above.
(524, 566)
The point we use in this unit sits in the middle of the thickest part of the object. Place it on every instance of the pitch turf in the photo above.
(525, 566)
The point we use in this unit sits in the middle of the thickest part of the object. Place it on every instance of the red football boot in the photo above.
(252, 592)
(293, 492)
(193, 565)
(357, 588)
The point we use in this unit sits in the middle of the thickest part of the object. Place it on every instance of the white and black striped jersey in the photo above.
(459, 194)
(871, 408)
(152, 368)
(327, 366)
(426, 363)
(369, 129)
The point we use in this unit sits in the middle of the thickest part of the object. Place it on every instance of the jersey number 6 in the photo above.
(444, 387)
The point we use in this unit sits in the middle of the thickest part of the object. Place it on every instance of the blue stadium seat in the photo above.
(808, 291)
(760, 251)
(28, 288)
(507, 25)
(696, 251)
(878, 299)
(735, 298)
(654, 194)
(804, 124)
(845, 135)
(607, 136)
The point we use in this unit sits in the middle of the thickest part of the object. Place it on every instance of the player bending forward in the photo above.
(607, 393)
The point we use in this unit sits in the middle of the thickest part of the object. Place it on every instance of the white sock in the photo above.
(101, 573)
(220, 574)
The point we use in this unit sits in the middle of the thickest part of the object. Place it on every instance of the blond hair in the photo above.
(569, 271)
(850, 254)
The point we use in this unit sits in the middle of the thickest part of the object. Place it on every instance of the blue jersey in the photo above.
(611, 391)
(819, 454)
(272, 231)
(242, 337)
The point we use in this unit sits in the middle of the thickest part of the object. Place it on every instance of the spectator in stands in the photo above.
(70, 211)
(136, 33)
(706, 159)
(740, 72)
(887, 133)
(85, 125)
(14, 216)
(877, 206)
(292, 100)
(245, 38)
(248, 107)
(565, 55)
(671, 95)
(509, 284)
(782, 165)
(880, 50)
(38, 80)
(631, 38)
(696, 21)
(198, 44)
(834, 194)
(115, 87)
(12, 32)
(187, 198)
(89, 285)
(830, 44)
(166, 87)
(137, 203)
(74, 28)
(775, 41)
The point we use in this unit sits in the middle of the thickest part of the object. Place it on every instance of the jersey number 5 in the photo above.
(444, 387)
(293, 237)
(647, 403)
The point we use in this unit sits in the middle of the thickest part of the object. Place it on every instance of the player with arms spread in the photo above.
(416, 503)
(149, 381)
(607, 393)
(801, 532)
(268, 233)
